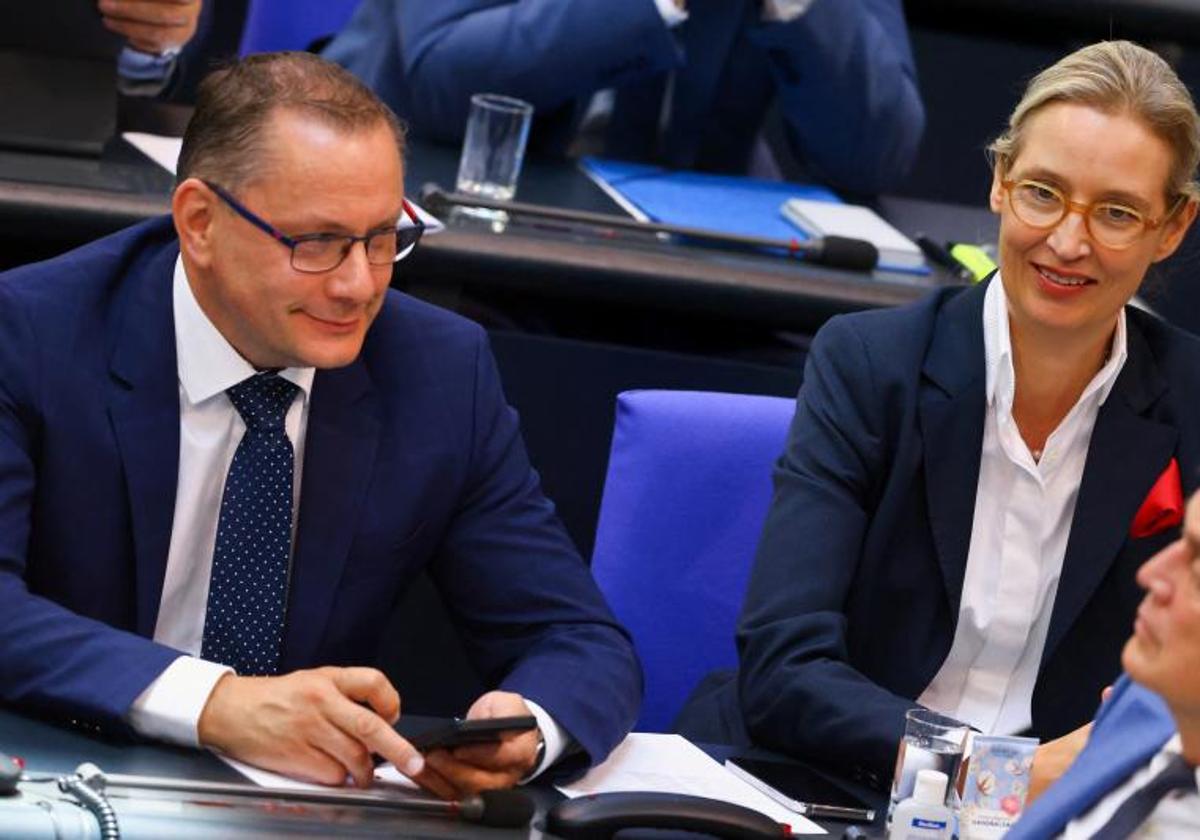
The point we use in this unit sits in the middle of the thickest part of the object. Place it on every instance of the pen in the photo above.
(807, 809)
(836, 812)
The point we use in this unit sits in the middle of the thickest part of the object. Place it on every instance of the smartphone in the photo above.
(800, 789)
(477, 731)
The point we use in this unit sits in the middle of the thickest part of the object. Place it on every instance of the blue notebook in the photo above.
(724, 203)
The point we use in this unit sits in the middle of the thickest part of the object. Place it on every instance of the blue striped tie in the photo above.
(1177, 775)
(247, 593)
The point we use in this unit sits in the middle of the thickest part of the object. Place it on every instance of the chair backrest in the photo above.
(687, 490)
(292, 24)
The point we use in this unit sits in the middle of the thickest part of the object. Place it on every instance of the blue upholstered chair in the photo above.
(687, 490)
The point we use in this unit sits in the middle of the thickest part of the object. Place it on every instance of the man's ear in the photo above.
(193, 207)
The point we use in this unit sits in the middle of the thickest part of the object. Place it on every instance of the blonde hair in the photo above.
(1116, 77)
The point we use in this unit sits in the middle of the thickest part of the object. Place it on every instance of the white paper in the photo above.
(385, 774)
(165, 152)
(162, 150)
(656, 763)
(432, 223)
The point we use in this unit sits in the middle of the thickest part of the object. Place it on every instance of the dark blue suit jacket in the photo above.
(1130, 728)
(413, 461)
(855, 593)
(842, 74)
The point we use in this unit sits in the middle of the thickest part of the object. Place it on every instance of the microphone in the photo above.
(833, 251)
(842, 252)
(496, 808)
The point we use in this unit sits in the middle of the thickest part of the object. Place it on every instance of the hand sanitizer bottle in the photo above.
(924, 815)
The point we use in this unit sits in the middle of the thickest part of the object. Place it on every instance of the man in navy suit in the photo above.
(840, 72)
(1138, 774)
(226, 448)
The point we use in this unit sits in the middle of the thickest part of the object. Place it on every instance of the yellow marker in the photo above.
(975, 259)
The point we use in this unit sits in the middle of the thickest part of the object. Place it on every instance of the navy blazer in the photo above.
(842, 73)
(1130, 729)
(853, 601)
(413, 462)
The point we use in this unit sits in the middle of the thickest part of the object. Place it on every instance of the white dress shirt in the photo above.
(210, 431)
(1023, 514)
(1175, 817)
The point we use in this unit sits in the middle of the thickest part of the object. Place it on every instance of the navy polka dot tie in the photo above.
(243, 627)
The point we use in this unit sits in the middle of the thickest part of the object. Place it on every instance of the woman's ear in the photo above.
(996, 196)
(1175, 228)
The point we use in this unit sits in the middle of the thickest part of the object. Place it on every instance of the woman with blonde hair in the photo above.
(971, 481)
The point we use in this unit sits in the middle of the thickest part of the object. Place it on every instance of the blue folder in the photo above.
(724, 203)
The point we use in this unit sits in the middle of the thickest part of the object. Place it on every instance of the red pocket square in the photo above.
(1163, 507)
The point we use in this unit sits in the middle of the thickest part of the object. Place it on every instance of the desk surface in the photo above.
(51, 749)
(63, 202)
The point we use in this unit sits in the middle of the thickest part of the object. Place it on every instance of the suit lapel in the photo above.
(143, 408)
(1127, 452)
(951, 416)
(340, 445)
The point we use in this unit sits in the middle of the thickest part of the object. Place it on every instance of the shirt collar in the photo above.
(997, 352)
(208, 365)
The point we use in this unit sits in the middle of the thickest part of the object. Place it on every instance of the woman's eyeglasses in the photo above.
(1112, 224)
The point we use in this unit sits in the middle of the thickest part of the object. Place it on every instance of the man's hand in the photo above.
(152, 26)
(1053, 758)
(320, 725)
(475, 767)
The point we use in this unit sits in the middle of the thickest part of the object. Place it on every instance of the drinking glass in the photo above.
(494, 146)
(931, 741)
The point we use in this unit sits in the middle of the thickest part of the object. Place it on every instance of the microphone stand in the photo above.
(863, 255)
(500, 808)
(92, 776)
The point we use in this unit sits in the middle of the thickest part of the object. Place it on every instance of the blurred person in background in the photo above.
(818, 89)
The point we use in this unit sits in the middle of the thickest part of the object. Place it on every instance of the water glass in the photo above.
(494, 146)
(931, 741)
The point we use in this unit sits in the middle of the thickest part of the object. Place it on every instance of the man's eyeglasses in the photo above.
(1112, 224)
(314, 253)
